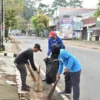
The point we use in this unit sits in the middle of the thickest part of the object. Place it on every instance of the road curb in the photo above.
(7, 54)
(83, 46)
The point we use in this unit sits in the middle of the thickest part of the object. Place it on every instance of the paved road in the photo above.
(90, 77)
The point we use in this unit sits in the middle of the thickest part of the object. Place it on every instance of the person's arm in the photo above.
(49, 47)
(30, 55)
(59, 70)
(61, 43)
(27, 62)
(60, 67)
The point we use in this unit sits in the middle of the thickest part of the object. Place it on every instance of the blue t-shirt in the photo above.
(69, 61)
(56, 41)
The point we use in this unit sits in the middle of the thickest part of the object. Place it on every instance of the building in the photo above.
(69, 21)
(94, 32)
(88, 23)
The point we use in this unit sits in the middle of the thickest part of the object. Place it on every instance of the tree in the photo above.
(29, 8)
(16, 5)
(75, 3)
(40, 21)
(45, 9)
(13, 8)
(97, 13)
(59, 3)
(64, 3)
(21, 23)
(10, 20)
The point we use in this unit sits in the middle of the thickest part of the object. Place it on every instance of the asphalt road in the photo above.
(90, 77)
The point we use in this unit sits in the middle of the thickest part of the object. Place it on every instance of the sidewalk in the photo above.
(8, 88)
(84, 44)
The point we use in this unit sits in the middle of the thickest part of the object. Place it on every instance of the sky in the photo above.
(86, 3)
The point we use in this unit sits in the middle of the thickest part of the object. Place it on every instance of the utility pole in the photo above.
(2, 26)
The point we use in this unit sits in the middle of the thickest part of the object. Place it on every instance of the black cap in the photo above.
(38, 46)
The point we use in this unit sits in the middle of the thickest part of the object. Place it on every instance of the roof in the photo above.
(94, 28)
(91, 20)
(76, 11)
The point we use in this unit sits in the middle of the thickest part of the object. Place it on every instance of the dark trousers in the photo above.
(72, 80)
(23, 72)
(68, 85)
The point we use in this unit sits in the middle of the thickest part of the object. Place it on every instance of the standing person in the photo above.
(20, 62)
(54, 39)
(72, 66)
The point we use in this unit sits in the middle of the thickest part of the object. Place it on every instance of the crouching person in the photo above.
(73, 67)
(20, 62)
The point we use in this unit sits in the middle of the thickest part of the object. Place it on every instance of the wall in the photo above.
(96, 35)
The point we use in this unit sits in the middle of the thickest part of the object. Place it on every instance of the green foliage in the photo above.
(75, 3)
(64, 3)
(45, 9)
(13, 8)
(10, 20)
(29, 8)
(21, 23)
(59, 3)
(97, 13)
(40, 21)
(16, 5)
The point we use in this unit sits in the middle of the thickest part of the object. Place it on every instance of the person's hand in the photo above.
(38, 71)
(58, 76)
(46, 58)
(66, 70)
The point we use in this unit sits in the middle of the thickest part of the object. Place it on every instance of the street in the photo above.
(90, 76)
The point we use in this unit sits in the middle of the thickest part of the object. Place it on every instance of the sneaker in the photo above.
(44, 80)
(63, 92)
(24, 88)
(27, 86)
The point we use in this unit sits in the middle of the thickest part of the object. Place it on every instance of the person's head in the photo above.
(52, 35)
(55, 49)
(37, 48)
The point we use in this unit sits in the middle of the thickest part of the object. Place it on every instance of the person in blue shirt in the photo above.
(73, 67)
(54, 39)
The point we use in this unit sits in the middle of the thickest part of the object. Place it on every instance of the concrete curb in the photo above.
(81, 45)
(7, 54)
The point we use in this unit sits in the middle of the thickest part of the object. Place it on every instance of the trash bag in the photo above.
(52, 65)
